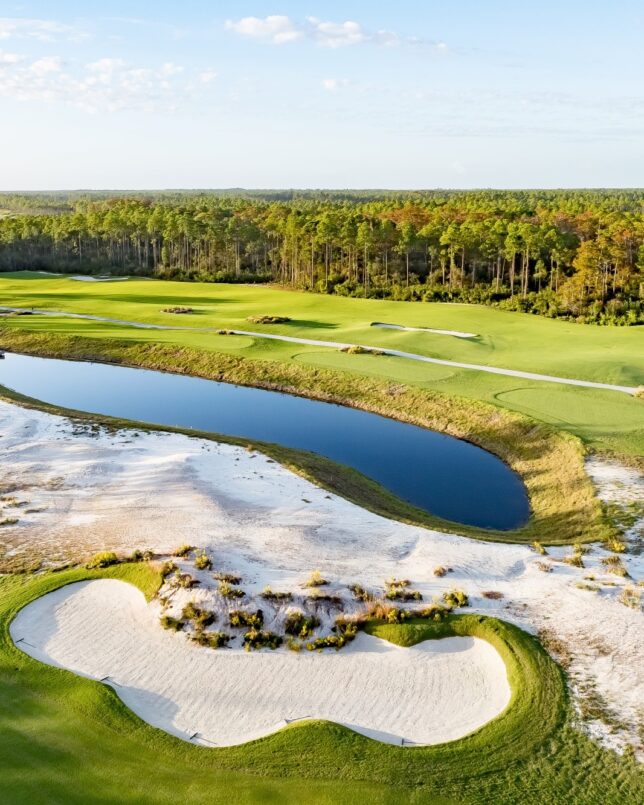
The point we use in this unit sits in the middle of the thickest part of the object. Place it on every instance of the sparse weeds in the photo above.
(614, 565)
(538, 547)
(226, 590)
(359, 593)
(544, 567)
(203, 562)
(277, 596)
(441, 570)
(398, 590)
(185, 580)
(183, 550)
(167, 568)
(229, 578)
(315, 580)
(200, 617)
(615, 545)
(574, 560)
(631, 597)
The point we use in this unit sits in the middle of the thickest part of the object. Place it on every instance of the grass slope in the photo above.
(563, 504)
(68, 739)
(605, 420)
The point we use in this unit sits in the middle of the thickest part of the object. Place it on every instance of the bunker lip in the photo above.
(436, 691)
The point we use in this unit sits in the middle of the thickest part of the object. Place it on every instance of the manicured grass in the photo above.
(563, 504)
(604, 420)
(67, 739)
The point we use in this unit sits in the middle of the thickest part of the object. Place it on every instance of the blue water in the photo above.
(440, 474)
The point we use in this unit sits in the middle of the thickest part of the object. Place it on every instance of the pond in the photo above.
(443, 475)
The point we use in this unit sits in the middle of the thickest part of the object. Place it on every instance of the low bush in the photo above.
(346, 632)
(441, 570)
(211, 639)
(9, 521)
(185, 580)
(545, 567)
(174, 624)
(356, 349)
(103, 559)
(584, 585)
(315, 580)
(244, 618)
(631, 597)
(183, 550)
(167, 567)
(199, 616)
(402, 594)
(615, 565)
(229, 578)
(538, 547)
(359, 593)
(574, 560)
(434, 612)
(268, 319)
(456, 598)
(203, 562)
(318, 597)
(300, 625)
(255, 639)
(492, 594)
(274, 595)
(615, 545)
(228, 591)
(177, 309)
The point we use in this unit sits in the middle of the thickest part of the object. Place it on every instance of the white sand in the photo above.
(434, 692)
(455, 333)
(84, 491)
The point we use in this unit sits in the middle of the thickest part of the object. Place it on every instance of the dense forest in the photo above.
(577, 254)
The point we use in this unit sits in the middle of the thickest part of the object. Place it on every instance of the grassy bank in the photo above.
(67, 739)
(563, 505)
(604, 420)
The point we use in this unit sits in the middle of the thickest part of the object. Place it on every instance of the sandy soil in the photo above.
(437, 691)
(74, 490)
(455, 333)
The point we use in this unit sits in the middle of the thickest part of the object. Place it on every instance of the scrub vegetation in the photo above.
(76, 737)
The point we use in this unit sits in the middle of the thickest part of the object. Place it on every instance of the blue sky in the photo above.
(321, 94)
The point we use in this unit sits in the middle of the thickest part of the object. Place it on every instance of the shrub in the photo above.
(268, 319)
(203, 562)
(254, 639)
(315, 580)
(359, 593)
(614, 564)
(396, 590)
(328, 598)
(580, 549)
(103, 559)
(183, 550)
(9, 521)
(538, 547)
(456, 598)
(211, 639)
(167, 567)
(300, 625)
(574, 560)
(346, 633)
(492, 594)
(228, 591)
(168, 622)
(441, 570)
(584, 585)
(639, 393)
(229, 578)
(273, 595)
(293, 645)
(615, 545)
(199, 616)
(631, 597)
(244, 618)
(545, 567)
(356, 349)
(136, 556)
(185, 580)
(177, 309)
(434, 612)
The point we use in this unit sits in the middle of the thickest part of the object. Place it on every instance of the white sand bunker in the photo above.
(436, 691)
(456, 333)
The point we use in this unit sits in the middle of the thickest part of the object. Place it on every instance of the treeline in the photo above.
(578, 254)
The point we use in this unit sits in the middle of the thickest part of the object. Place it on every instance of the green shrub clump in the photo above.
(256, 638)
(168, 622)
(183, 550)
(300, 625)
(397, 590)
(241, 617)
(203, 562)
(273, 595)
(199, 616)
(268, 319)
(103, 559)
(315, 580)
(456, 598)
(359, 593)
(228, 591)
(211, 639)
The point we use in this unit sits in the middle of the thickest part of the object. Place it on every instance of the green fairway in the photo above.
(603, 420)
(68, 739)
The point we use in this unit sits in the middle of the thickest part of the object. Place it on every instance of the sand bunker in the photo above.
(436, 691)
(455, 333)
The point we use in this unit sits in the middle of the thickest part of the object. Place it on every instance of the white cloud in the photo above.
(280, 30)
(207, 76)
(105, 85)
(334, 84)
(275, 28)
(43, 30)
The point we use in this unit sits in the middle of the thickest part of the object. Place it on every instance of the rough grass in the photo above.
(564, 507)
(67, 739)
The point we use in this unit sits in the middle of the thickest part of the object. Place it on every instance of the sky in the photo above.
(405, 94)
